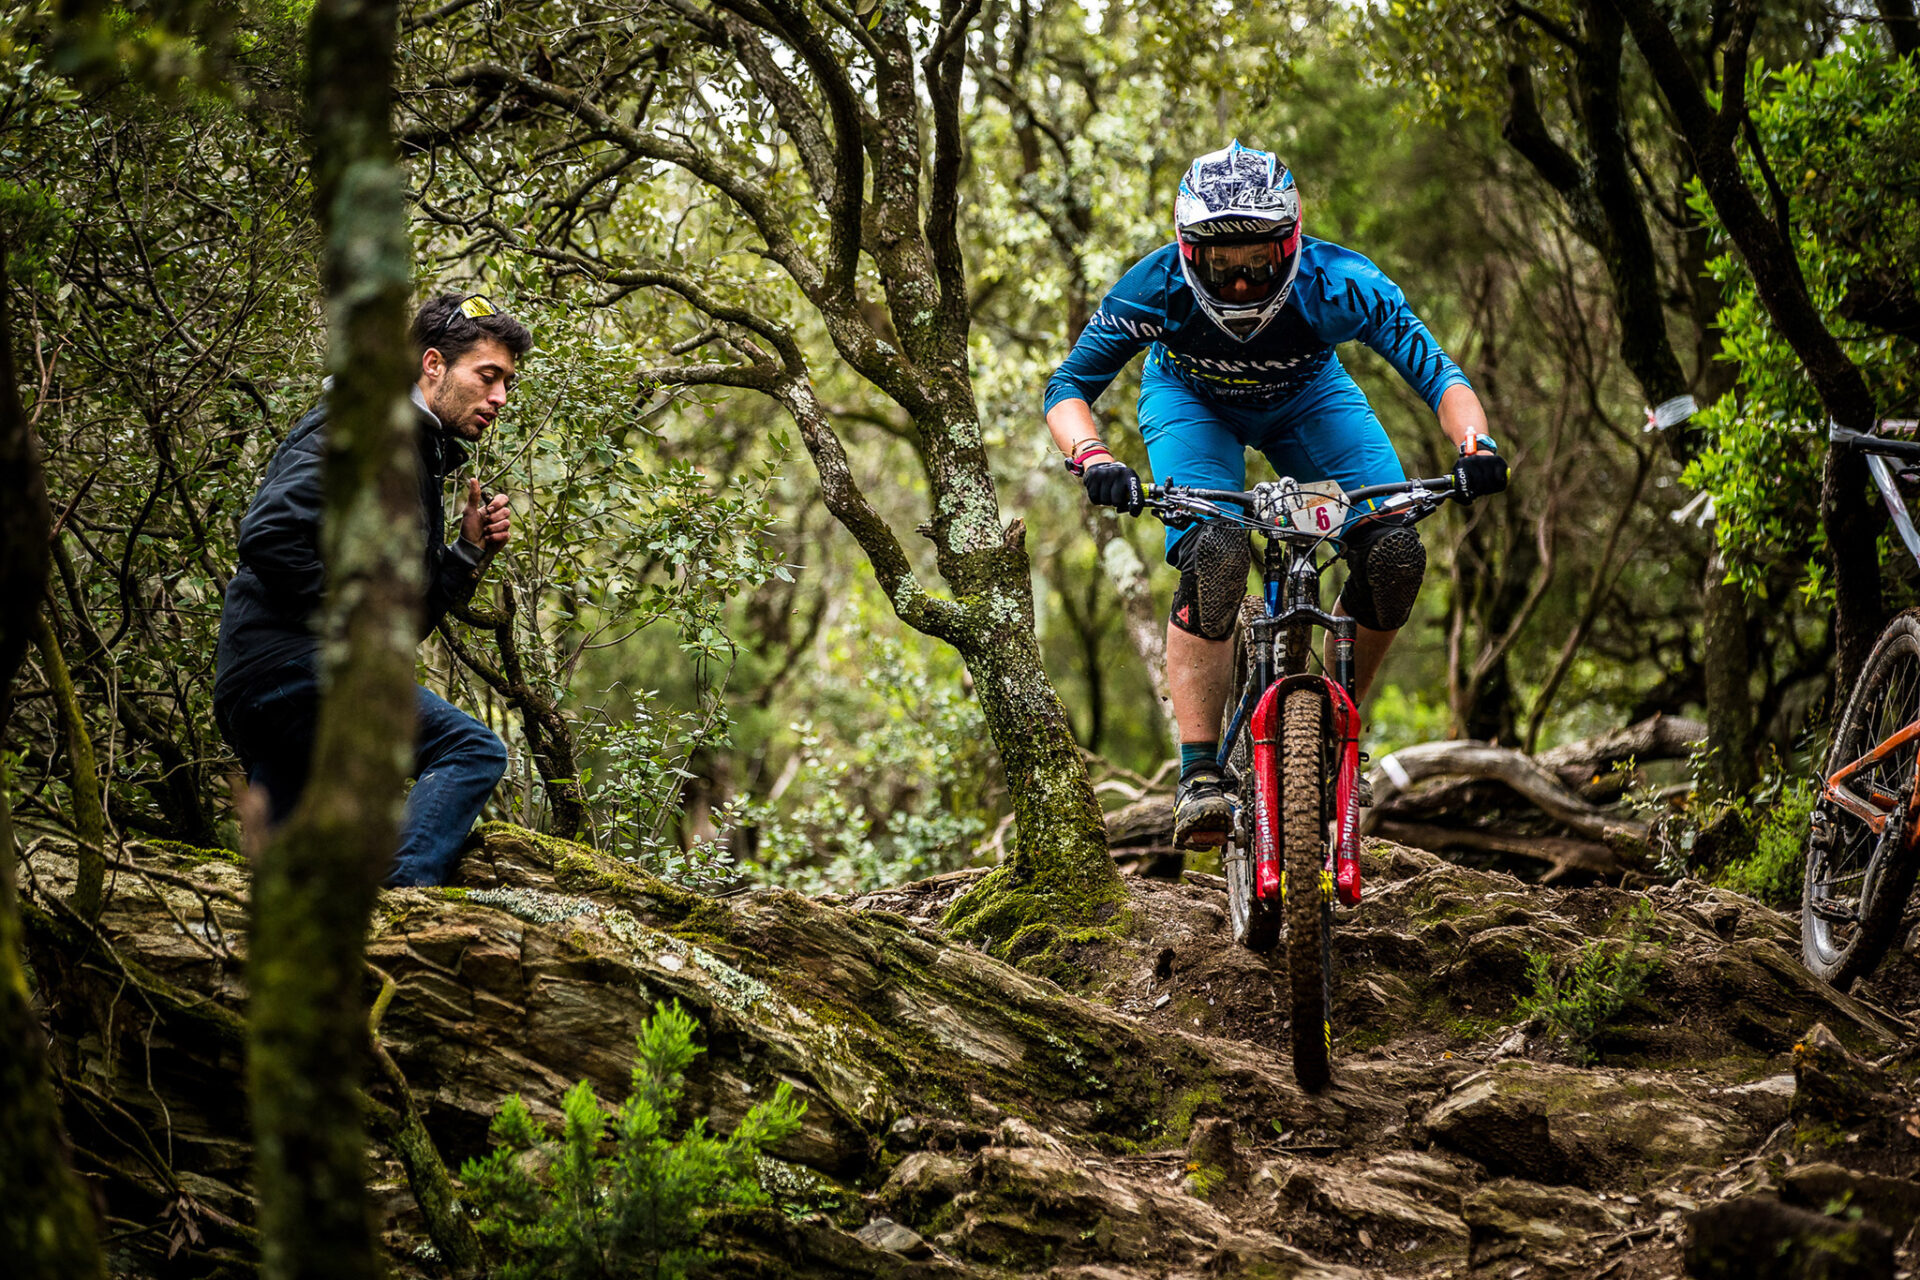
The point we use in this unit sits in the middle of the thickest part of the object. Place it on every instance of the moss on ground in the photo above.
(196, 853)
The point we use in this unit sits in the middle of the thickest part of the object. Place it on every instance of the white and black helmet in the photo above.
(1237, 219)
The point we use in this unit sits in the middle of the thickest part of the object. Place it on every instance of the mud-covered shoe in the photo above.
(1202, 810)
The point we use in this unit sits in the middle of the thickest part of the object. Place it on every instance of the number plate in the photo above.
(1319, 507)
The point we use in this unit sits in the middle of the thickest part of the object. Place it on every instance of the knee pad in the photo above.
(1385, 580)
(1213, 580)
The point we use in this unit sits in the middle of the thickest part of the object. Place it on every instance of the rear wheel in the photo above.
(1858, 880)
(1308, 890)
(1256, 921)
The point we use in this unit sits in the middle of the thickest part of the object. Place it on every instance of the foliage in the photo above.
(1774, 871)
(1839, 136)
(622, 539)
(1592, 990)
(893, 783)
(616, 1193)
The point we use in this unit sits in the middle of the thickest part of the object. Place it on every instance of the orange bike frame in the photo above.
(1862, 808)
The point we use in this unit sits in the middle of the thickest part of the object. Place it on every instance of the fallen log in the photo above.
(1658, 737)
(1397, 774)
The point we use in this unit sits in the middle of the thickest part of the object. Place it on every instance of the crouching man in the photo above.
(266, 689)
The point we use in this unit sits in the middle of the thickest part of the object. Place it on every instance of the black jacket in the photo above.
(267, 622)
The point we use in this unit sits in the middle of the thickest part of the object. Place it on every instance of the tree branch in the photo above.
(1526, 131)
(753, 199)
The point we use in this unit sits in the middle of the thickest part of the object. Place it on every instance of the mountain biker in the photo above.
(1239, 317)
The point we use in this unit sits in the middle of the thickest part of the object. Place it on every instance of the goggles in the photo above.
(1221, 264)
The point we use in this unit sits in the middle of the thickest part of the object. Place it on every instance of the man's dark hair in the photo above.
(441, 325)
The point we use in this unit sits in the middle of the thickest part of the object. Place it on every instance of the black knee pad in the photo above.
(1213, 564)
(1385, 579)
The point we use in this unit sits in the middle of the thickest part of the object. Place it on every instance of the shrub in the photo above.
(1777, 865)
(581, 1207)
(1602, 979)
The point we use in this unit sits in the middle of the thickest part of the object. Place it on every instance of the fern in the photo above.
(614, 1195)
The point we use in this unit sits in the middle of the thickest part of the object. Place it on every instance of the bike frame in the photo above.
(1876, 811)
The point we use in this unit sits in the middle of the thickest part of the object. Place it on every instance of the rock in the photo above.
(1363, 1197)
(921, 1184)
(1210, 1148)
(1834, 1088)
(1556, 1124)
(1892, 1202)
(1546, 1225)
(885, 1233)
(1015, 1130)
(1759, 1238)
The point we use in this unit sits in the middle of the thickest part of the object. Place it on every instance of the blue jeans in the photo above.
(1326, 432)
(457, 761)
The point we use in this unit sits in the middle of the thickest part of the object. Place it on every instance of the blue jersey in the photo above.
(1338, 296)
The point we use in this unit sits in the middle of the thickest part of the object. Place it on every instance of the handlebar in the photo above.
(1884, 446)
(1157, 495)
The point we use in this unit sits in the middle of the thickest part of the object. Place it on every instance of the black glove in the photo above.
(1476, 475)
(1113, 484)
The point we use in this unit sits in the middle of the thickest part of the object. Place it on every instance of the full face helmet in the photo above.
(1237, 219)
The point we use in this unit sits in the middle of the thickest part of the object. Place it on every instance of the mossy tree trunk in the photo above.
(83, 769)
(317, 878)
(46, 1222)
(874, 119)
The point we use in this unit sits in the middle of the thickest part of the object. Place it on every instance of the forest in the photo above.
(827, 919)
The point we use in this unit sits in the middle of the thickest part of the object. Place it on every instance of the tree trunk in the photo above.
(46, 1222)
(1146, 628)
(83, 771)
(317, 879)
(1729, 699)
(1604, 204)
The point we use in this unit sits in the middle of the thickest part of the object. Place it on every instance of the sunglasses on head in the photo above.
(473, 306)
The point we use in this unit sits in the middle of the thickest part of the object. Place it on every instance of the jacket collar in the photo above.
(442, 451)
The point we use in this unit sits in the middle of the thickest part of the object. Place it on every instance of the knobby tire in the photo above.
(1304, 796)
(1848, 868)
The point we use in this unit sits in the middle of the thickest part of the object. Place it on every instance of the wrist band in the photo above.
(1077, 464)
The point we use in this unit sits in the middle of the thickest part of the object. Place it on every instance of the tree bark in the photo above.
(1729, 694)
(318, 877)
(46, 1220)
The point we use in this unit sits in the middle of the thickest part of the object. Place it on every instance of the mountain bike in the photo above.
(1861, 851)
(1290, 735)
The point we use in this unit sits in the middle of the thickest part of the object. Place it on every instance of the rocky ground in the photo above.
(1101, 1109)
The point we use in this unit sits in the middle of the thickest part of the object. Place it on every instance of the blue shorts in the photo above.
(1326, 432)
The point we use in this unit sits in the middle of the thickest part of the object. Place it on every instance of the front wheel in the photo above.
(1256, 920)
(1858, 879)
(1305, 769)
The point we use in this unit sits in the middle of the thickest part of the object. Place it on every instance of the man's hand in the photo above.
(1114, 484)
(1477, 474)
(487, 525)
